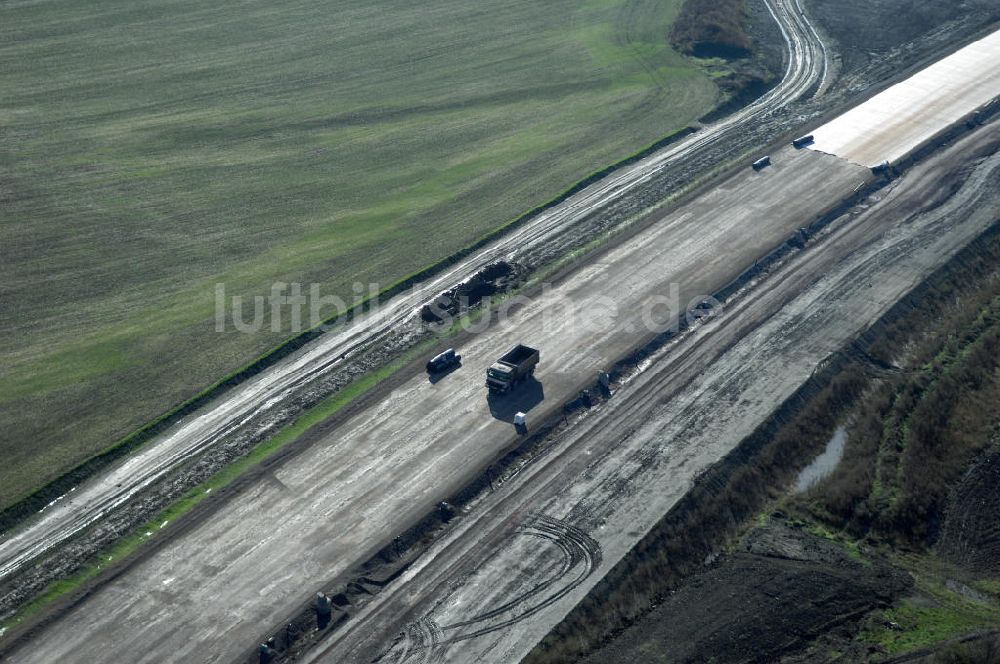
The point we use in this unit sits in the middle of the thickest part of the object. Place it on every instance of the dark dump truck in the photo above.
(513, 367)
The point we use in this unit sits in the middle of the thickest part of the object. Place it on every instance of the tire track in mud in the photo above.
(577, 547)
(420, 643)
(424, 641)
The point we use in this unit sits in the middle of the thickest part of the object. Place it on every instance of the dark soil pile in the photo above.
(767, 601)
(712, 28)
(865, 29)
(970, 536)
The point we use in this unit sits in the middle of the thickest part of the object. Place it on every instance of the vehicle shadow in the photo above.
(521, 399)
(438, 376)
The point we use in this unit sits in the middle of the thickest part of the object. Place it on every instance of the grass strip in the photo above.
(36, 500)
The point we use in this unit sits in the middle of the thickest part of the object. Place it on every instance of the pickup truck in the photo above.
(513, 367)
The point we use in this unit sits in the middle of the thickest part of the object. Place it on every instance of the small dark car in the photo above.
(443, 361)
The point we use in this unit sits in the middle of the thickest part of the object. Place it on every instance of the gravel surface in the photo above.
(494, 587)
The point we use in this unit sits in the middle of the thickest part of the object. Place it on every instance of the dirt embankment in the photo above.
(970, 536)
(783, 588)
(738, 42)
(894, 551)
(867, 31)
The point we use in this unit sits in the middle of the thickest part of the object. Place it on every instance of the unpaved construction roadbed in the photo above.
(727, 499)
(262, 555)
(634, 457)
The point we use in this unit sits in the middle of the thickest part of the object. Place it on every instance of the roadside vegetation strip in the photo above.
(212, 160)
(937, 615)
(148, 533)
(742, 489)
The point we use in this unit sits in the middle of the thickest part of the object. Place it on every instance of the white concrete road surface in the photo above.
(897, 120)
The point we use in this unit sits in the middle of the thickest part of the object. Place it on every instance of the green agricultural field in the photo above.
(150, 149)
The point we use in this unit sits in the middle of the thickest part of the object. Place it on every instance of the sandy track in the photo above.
(490, 590)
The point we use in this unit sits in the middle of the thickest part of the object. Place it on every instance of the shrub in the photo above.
(711, 28)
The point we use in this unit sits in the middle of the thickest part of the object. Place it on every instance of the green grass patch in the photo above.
(988, 586)
(851, 546)
(131, 543)
(255, 143)
(921, 626)
(936, 613)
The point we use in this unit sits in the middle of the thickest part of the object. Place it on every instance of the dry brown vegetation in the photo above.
(712, 28)
(714, 512)
(917, 431)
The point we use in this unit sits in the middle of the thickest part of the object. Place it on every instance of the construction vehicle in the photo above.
(514, 366)
(803, 141)
(881, 167)
(443, 361)
(763, 162)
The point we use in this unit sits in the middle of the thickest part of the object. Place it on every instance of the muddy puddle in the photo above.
(824, 464)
